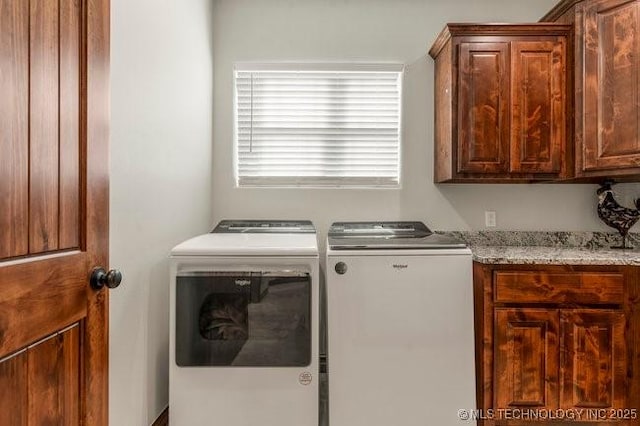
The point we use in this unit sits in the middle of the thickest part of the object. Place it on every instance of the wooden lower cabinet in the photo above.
(526, 351)
(593, 359)
(557, 341)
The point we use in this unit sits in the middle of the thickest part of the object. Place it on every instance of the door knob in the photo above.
(101, 278)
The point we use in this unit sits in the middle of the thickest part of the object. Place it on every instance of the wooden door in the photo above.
(483, 108)
(54, 117)
(594, 359)
(611, 103)
(538, 97)
(526, 358)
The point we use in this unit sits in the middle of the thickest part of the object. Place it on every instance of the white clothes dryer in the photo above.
(244, 326)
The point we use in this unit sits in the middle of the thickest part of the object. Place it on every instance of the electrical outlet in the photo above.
(490, 219)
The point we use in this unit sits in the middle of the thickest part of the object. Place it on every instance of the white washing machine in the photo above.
(244, 326)
(400, 326)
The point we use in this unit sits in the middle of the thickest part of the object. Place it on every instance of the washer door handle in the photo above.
(341, 268)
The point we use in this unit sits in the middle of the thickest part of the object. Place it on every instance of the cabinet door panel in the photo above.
(594, 359)
(611, 83)
(526, 358)
(538, 106)
(483, 121)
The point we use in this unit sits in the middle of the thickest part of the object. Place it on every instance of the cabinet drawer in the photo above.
(545, 287)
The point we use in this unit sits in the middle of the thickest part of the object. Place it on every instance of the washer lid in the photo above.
(253, 238)
(387, 235)
(265, 227)
(248, 244)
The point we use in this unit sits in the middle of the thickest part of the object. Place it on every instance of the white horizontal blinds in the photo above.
(318, 127)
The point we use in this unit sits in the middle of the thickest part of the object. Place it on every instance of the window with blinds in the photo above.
(318, 125)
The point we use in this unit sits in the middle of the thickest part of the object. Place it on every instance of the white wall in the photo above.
(160, 183)
(376, 30)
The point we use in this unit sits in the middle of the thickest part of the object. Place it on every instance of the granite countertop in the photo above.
(549, 248)
(504, 255)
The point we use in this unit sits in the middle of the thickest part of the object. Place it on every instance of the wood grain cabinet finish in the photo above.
(538, 107)
(526, 358)
(593, 359)
(501, 103)
(607, 94)
(557, 337)
(483, 108)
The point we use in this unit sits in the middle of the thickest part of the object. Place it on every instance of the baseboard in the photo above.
(163, 418)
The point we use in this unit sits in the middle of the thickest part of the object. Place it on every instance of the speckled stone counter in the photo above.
(549, 248)
(532, 255)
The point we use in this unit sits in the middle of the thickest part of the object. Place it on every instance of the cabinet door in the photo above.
(538, 106)
(611, 121)
(526, 358)
(483, 118)
(594, 359)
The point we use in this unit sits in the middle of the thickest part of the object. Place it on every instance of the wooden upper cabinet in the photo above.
(538, 125)
(611, 113)
(483, 108)
(607, 93)
(501, 102)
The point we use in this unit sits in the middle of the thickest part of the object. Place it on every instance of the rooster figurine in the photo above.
(615, 215)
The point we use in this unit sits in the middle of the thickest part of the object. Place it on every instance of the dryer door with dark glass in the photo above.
(243, 319)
